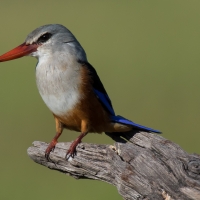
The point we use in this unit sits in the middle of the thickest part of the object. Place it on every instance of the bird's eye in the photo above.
(43, 38)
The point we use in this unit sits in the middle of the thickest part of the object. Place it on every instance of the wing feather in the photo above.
(103, 97)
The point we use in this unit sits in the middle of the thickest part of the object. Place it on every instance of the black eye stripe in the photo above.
(43, 38)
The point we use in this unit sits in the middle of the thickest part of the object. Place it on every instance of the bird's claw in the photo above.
(50, 149)
(47, 156)
(71, 151)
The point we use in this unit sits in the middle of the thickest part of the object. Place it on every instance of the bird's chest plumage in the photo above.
(58, 86)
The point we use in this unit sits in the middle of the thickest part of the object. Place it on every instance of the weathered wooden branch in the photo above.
(146, 167)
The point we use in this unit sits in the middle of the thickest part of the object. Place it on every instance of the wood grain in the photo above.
(141, 165)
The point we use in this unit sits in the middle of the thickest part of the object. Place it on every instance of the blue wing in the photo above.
(103, 97)
(105, 100)
(99, 89)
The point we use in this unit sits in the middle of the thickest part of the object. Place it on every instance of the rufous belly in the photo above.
(89, 110)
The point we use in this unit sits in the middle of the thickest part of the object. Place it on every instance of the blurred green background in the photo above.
(147, 55)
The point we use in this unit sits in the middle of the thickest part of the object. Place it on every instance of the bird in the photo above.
(70, 86)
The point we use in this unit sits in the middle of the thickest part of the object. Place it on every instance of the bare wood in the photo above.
(146, 167)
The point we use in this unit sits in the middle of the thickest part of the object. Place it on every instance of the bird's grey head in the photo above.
(55, 40)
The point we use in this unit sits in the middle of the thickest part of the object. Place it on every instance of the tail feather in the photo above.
(122, 120)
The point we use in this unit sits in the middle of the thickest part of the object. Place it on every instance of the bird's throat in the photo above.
(58, 85)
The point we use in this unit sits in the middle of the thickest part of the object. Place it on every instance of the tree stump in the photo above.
(141, 165)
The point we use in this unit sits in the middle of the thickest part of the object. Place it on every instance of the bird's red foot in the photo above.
(72, 149)
(50, 148)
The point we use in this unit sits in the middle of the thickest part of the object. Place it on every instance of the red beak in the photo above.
(18, 52)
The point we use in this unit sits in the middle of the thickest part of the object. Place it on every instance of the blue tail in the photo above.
(122, 120)
(105, 100)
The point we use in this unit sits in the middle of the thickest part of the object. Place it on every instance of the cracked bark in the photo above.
(146, 167)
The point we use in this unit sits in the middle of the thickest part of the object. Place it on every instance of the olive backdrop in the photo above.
(147, 55)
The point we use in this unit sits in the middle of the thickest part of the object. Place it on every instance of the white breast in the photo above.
(58, 85)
